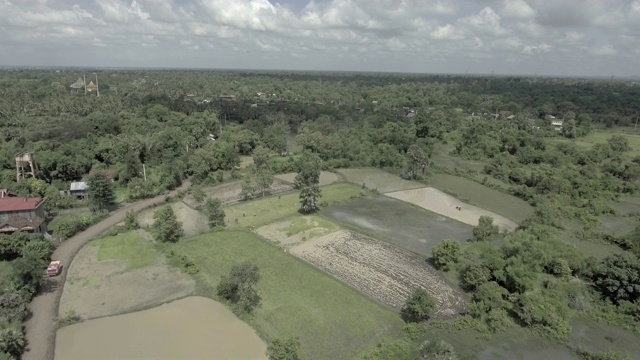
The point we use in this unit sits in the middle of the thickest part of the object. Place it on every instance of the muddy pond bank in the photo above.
(188, 329)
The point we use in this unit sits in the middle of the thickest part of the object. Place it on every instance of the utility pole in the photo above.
(144, 172)
(97, 87)
(636, 127)
(84, 79)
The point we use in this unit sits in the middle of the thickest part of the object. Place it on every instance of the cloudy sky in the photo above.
(551, 37)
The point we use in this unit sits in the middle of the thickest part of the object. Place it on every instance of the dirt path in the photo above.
(41, 321)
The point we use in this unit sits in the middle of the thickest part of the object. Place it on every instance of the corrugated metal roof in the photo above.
(78, 186)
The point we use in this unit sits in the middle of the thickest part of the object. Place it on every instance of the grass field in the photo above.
(398, 223)
(130, 247)
(275, 208)
(600, 137)
(332, 320)
(378, 179)
(479, 195)
(442, 158)
(301, 224)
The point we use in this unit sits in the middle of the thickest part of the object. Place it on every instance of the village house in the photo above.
(78, 189)
(227, 97)
(22, 214)
(91, 86)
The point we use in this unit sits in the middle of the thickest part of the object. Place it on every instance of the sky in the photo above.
(525, 37)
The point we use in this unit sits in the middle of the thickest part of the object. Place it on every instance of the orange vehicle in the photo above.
(54, 268)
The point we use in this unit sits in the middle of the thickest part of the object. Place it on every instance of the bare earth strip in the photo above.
(230, 193)
(41, 325)
(193, 222)
(378, 179)
(326, 178)
(379, 270)
(102, 288)
(445, 204)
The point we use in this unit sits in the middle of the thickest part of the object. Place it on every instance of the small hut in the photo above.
(91, 86)
(79, 84)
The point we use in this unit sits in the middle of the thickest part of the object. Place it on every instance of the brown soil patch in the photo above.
(102, 288)
(326, 178)
(445, 204)
(193, 222)
(193, 328)
(246, 161)
(379, 270)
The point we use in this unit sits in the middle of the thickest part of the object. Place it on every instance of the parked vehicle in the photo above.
(54, 268)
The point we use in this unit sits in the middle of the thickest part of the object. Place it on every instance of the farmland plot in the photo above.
(230, 193)
(379, 270)
(446, 205)
(326, 178)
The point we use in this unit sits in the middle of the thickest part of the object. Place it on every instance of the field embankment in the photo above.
(378, 179)
(326, 178)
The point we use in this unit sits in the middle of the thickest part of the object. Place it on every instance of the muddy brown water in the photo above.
(187, 329)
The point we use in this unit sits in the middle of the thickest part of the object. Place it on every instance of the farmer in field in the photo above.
(243, 214)
(236, 220)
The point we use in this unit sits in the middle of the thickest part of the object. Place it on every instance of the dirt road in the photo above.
(41, 322)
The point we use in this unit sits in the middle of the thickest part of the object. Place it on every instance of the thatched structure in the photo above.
(79, 84)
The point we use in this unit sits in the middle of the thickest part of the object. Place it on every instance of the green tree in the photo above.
(39, 249)
(12, 341)
(617, 277)
(486, 230)
(473, 276)
(198, 194)
(419, 306)
(619, 143)
(284, 349)
(418, 161)
(101, 191)
(263, 179)
(215, 213)
(131, 221)
(239, 287)
(446, 253)
(437, 350)
(310, 199)
(166, 225)
(309, 168)
(275, 137)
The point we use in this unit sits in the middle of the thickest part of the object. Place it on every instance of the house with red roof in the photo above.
(22, 214)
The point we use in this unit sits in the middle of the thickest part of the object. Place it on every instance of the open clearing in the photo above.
(481, 196)
(297, 230)
(118, 274)
(399, 223)
(332, 320)
(442, 158)
(326, 178)
(379, 270)
(383, 181)
(273, 208)
(444, 204)
(230, 193)
(193, 222)
(193, 328)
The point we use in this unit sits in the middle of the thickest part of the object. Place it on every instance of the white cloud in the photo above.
(450, 36)
(518, 9)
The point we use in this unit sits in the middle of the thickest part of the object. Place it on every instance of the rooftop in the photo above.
(78, 186)
(19, 203)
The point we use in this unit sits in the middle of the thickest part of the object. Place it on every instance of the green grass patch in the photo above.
(601, 137)
(273, 208)
(122, 194)
(479, 195)
(318, 224)
(442, 158)
(131, 247)
(91, 281)
(332, 320)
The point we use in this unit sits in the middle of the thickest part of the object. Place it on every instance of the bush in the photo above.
(12, 341)
(473, 276)
(39, 248)
(238, 287)
(284, 349)
(419, 306)
(438, 349)
(166, 225)
(486, 230)
(446, 253)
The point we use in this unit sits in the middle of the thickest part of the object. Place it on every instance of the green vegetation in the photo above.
(284, 349)
(101, 192)
(276, 208)
(601, 137)
(239, 288)
(331, 320)
(130, 247)
(320, 225)
(166, 226)
(214, 212)
(67, 225)
(419, 306)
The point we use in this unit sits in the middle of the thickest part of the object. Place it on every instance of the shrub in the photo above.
(284, 349)
(473, 276)
(419, 306)
(239, 287)
(12, 341)
(446, 253)
(486, 230)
